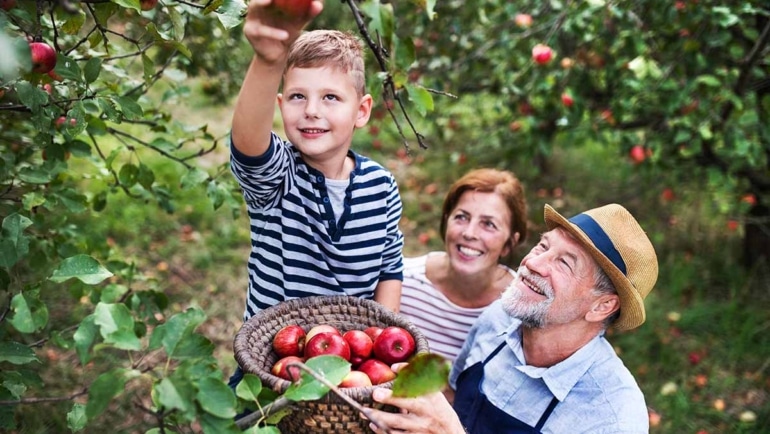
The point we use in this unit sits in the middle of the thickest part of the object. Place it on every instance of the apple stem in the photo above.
(364, 410)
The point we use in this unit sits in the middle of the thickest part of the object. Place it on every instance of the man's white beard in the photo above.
(531, 314)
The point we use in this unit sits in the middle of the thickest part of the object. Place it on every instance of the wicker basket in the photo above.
(330, 414)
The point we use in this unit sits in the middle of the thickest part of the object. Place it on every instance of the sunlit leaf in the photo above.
(116, 325)
(331, 368)
(425, 373)
(76, 418)
(82, 267)
(30, 314)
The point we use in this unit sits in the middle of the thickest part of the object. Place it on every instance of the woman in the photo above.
(484, 217)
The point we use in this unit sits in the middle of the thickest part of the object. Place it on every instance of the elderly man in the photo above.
(537, 359)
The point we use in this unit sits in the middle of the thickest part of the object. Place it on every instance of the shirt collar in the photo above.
(561, 377)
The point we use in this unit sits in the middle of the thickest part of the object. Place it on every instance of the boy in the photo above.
(324, 220)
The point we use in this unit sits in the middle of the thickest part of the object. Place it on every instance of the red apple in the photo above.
(280, 368)
(542, 54)
(43, 57)
(567, 100)
(373, 332)
(293, 8)
(289, 341)
(7, 5)
(394, 345)
(667, 194)
(360, 343)
(523, 20)
(146, 5)
(377, 371)
(637, 154)
(327, 344)
(749, 198)
(323, 328)
(356, 379)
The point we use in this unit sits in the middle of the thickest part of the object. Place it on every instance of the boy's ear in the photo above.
(364, 110)
(279, 100)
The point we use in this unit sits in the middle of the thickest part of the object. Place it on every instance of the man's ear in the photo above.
(603, 307)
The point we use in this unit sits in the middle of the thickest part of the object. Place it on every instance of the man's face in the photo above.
(554, 283)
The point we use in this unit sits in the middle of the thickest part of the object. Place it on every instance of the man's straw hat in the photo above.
(621, 248)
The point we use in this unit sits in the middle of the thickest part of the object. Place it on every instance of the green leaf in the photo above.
(216, 194)
(231, 13)
(84, 337)
(217, 425)
(216, 397)
(32, 199)
(128, 174)
(422, 99)
(92, 69)
(176, 335)
(105, 387)
(68, 68)
(36, 175)
(16, 353)
(262, 430)
(30, 314)
(74, 22)
(131, 110)
(31, 96)
(116, 326)
(14, 245)
(171, 395)
(82, 267)
(425, 373)
(249, 388)
(13, 381)
(332, 368)
(193, 178)
(76, 418)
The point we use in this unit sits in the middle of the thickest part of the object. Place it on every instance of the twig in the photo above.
(252, 418)
(39, 400)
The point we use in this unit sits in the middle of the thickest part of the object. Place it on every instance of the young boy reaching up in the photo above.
(324, 220)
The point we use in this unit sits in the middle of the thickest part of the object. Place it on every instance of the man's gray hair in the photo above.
(603, 286)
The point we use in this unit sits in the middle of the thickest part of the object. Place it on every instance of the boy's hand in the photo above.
(270, 31)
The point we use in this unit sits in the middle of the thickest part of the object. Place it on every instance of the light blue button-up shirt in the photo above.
(596, 392)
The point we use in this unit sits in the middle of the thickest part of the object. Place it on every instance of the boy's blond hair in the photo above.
(334, 48)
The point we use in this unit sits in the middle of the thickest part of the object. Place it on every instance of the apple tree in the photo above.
(677, 86)
(85, 92)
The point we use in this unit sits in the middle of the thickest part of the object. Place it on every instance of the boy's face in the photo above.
(320, 109)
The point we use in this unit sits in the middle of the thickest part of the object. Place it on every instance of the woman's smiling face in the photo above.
(478, 232)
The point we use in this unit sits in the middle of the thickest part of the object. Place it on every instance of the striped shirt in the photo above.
(298, 248)
(444, 324)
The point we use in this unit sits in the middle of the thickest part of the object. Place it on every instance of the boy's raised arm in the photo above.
(270, 34)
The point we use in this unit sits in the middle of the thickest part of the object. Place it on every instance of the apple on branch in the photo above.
(542, 54)
(394, 345)
(43, 57)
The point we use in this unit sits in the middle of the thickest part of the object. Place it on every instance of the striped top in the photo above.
(444, 324)
(298, 248)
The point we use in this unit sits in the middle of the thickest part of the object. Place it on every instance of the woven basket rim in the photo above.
(301, 311)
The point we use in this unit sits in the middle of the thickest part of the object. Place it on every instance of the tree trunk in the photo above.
(756, 244)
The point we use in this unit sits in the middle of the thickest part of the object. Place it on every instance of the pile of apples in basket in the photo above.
(371, 351)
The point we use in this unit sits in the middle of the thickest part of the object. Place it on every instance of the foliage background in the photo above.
(140, 184)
